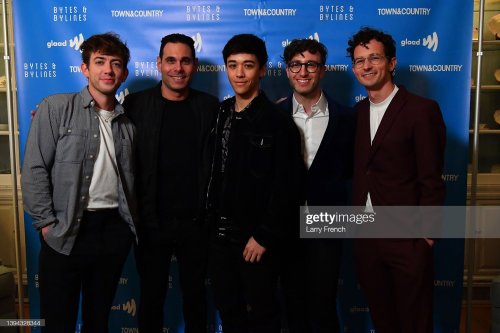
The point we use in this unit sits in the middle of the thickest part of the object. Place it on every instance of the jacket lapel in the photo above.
(363, 127)
(330, 128)
(388, 120)
(329, 133)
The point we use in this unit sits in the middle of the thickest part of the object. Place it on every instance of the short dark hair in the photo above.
(246, 43)
(177, 38)
(299, 46)
(108, 43)
(365, 35)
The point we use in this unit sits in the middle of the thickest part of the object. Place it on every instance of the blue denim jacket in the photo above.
(62, 145)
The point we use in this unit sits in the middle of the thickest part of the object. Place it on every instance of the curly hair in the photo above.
(299, 46)
(365, 35)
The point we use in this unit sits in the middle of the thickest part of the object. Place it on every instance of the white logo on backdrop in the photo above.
(314, 36)
(203, 13)
(197, 42)
(73, 43)
(121, 96)
(431, 41)
(76, 42)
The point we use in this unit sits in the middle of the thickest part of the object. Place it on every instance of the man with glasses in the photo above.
(399, 153)
(327, 133)
(173, 123)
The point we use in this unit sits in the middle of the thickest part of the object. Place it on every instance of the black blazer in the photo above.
(328, 180)
(145, 109)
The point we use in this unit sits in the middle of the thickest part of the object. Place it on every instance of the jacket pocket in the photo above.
(125, 157)
(71, 145)
(260, 155)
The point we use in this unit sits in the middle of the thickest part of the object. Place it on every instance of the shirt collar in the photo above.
(319, 108)
(88, 101)
(251, 110)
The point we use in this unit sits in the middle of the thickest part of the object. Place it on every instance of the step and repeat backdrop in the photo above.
(434, 59)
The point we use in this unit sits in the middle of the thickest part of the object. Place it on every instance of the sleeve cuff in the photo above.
(40, 224)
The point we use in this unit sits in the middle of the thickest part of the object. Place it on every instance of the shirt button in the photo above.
(83, 197)
(95, 135)
(95, 117)
(69, 130)
(91, 156)
(87, 177)
(78, 220)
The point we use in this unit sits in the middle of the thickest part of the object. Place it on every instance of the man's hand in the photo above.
(253, 251)
(429, 241)
(45, 230)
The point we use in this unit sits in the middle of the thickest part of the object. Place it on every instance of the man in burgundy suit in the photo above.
(399, 153)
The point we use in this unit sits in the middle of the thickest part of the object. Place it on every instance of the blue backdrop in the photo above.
(434, 59)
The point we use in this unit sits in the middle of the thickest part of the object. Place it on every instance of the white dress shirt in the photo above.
(312, 126)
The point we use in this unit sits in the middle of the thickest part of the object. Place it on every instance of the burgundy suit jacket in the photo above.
(404, 164)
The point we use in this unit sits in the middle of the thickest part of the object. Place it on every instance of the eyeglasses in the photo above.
(311, 66)
(374, 59)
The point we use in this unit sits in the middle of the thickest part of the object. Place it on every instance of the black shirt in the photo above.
(178, 162)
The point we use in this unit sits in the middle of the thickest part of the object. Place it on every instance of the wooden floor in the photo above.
(481, 319)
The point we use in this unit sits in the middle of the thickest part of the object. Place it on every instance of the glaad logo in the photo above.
(314, 36)
(197, 42)
(74, 43)
(129, 307)
(121, 96)
(431, 42)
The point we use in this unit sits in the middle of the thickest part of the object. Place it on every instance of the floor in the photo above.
(480, 323)
(481, 319)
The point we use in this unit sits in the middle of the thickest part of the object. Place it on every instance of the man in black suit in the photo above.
(311, 266)
(173, 123)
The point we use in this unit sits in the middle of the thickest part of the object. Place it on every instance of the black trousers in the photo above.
(309, 279)
(93, 268)
(187, 239)
(245, 293)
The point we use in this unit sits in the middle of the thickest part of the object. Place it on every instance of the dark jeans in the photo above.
(309, 278)
(93, 268)
(245, 293)
(187, 239)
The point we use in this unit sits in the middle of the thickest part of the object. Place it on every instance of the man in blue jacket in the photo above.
(311, 266)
